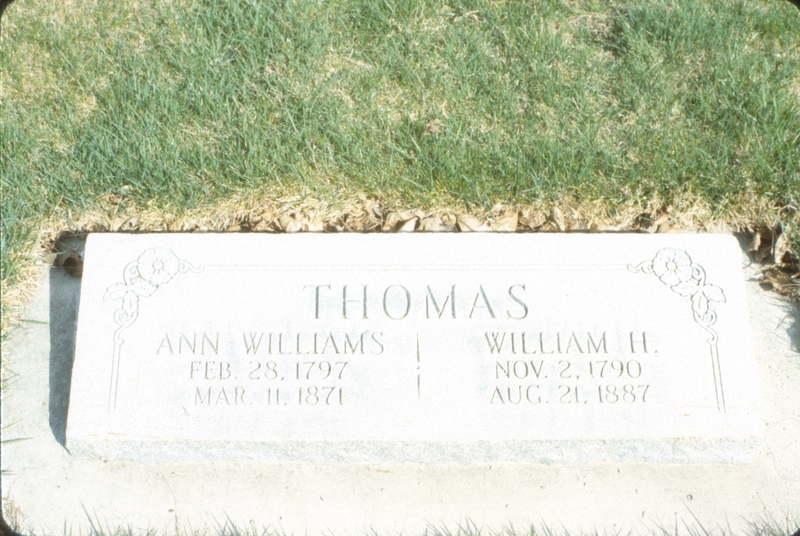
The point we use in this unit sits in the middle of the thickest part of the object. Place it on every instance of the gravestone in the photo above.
(429, 348)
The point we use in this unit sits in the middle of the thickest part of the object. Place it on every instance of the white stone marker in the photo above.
(430, 348)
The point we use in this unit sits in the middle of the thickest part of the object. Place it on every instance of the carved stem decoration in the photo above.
(675, 269)
(142, 277)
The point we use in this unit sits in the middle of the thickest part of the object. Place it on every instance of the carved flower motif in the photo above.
(672, 266)
(157, 265)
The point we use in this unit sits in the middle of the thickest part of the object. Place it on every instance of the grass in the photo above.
(185, 105)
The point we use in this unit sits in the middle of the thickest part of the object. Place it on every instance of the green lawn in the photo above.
(611, 106)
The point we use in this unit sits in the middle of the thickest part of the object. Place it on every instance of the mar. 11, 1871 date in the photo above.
(311, 395)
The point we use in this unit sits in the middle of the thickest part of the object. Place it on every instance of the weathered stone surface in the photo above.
(424, 348)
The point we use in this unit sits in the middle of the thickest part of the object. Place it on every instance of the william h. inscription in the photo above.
(463, 344)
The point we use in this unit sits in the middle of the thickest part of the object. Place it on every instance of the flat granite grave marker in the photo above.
(429, 348)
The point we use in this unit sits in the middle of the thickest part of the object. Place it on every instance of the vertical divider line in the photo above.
(419, 392)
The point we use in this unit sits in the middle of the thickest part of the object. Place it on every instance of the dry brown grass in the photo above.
(277, 214)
